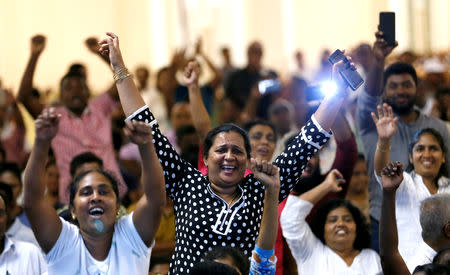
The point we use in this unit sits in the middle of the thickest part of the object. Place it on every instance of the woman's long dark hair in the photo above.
(362, 239)
(440, 141)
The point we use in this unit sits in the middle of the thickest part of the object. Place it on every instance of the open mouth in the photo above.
(341, 232)
(96, 211)
(228, 168)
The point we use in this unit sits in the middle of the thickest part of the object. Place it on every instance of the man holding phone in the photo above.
(396, 86)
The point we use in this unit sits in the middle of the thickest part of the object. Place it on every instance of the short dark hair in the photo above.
(432, 269)
(237, 257)
(435, 133)
(83, 158)
(249, 125)
(73, 74)
(76, 68)
(362, 239)
(399, 68)
(11, 167)
(73, 186)
(211, 267)
(228, 127)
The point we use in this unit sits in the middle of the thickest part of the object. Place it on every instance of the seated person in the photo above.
(17, 225)
(16, 257)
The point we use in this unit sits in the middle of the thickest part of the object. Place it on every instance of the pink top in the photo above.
(90, 132)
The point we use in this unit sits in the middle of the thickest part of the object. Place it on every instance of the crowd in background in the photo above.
(352, 204)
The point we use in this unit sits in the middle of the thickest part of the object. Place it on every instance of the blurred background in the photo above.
(151, 30)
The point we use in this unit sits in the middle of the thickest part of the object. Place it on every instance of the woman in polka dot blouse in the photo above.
(222, 208)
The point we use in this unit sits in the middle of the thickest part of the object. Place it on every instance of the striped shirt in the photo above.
(90, 132)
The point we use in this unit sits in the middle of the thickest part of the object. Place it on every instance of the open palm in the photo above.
(386, 123)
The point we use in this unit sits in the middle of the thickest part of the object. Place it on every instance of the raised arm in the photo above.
(330, 106)
(391, 260)
(375, 77)
(217, 74)
(44, 221)
(93, 46)
(200, 116)
(25, 95)
(130, 98)
(296, 230)
(147, 215)
(332, 183)
(262, 261)
(386, 127)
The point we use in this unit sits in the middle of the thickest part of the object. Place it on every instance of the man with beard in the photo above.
(396, 87)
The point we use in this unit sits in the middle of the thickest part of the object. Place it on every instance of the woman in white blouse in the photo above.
(425, 176)
(337, 242)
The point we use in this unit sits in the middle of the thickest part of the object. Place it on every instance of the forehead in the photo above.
(427, 139)
(261, 128)
(94, 180)
(340, 211)
(9, 177)
(399, 78)
(72, 81)
(228, 138)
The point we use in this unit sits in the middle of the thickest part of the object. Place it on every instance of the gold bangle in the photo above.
(383, 149)
(121, 74)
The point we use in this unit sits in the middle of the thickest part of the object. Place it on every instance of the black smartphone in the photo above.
(351, 76)
(387, 26)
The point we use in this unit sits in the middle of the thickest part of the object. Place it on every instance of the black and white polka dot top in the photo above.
(203, 220)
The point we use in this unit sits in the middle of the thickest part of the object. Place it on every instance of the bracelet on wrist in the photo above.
(383, 149)
(121, 74)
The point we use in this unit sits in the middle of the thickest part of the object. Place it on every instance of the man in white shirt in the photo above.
(435, 222)
(16, 257)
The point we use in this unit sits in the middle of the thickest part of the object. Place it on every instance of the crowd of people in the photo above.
(222, 177)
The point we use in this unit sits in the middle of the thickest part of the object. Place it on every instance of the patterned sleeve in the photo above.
(174, 167)
(293, 160)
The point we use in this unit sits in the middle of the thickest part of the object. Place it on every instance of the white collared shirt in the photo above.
(19, 231)
(21, 258)
(311, 255)
(424, 255)
(411, 192)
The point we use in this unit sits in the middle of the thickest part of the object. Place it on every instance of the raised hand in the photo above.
(199, 46)
(37, 44)
(381, 49)
(179, 59)
(386, 123)
(109, 47)
(337, 78)
(266, 173)
(138, 132)
(47, 125)
(392, 176)
(92, 44)
(192, 73)
(334, 181)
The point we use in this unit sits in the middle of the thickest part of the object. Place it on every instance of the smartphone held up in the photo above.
(387, 26)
